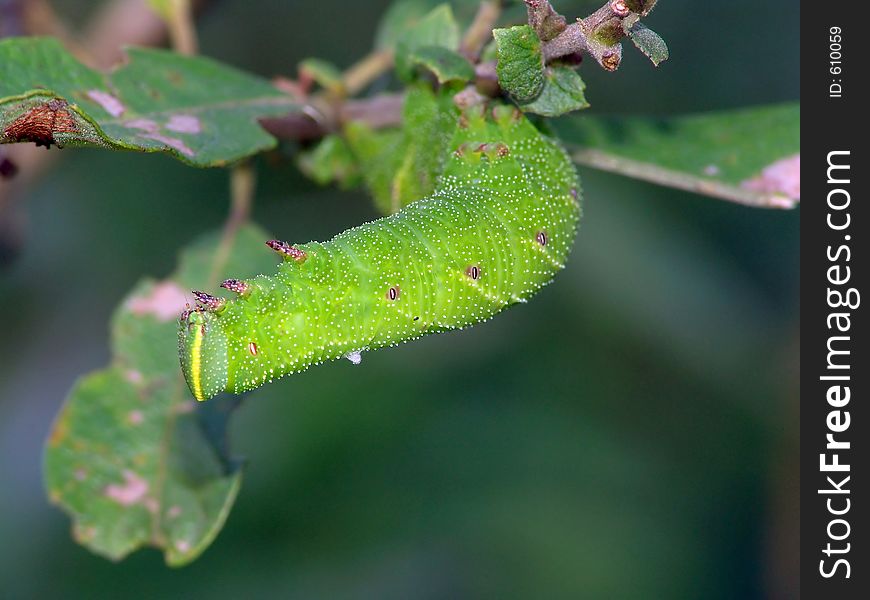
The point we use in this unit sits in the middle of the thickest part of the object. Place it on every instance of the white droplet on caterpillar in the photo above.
(354, 357)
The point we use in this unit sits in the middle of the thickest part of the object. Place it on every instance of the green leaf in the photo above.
(331, 160)
(323, 73)
(563, 93)
(132, 457)
(402, 166)
(520, 62)
(445, 64)
(403, 15)
(397, 20)
(438, 28)
(193, 108)
(649, 42)
(750, 155)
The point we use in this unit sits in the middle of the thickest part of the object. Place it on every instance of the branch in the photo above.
(243, 185)
(360, 75)
(598, 34)
(320, 119)
(181, 29)
(574, 40)
(480, 30)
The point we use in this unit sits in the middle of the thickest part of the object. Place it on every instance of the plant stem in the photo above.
(480, 30)
(678, 180)
(182, 32)
(361, 74)
(384, 110)
(243, 184)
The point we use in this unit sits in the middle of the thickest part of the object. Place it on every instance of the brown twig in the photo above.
(384, 110)
(243, 185)
(182, 32)
(37, 17)
(117, 24)
(360, 75)
(480, 30)
(598, 35)
(544, 19)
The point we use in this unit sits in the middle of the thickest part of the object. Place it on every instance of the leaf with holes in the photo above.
(130, 457)
(196, 109)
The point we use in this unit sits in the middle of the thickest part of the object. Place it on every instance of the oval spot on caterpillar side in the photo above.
(252, 348)
(473, 271)
(541, 238)
(393, 293)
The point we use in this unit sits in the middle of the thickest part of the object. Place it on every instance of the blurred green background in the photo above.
(630, 433)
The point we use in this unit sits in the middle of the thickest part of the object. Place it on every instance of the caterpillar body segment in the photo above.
(499, 225)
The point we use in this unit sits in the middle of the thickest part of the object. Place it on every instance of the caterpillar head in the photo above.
(202, 346)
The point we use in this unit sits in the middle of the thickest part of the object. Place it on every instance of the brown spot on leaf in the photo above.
(108, 102)
(132, 491)
(41, 123)
(151, 131)
(84, 533)
(133, 376)
(782, 177)
(143, 124)
(60, 429)
(174, 143)
(165, 302)
(712, 170)
(184, 408)
(184, 124)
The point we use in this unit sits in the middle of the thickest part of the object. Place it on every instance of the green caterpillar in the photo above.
(498, 226)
